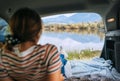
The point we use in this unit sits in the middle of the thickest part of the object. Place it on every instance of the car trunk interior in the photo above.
(108, 10)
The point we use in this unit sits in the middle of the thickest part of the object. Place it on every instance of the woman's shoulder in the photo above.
(46, 46)
(47, 50)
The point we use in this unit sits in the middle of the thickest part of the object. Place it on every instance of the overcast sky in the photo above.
(67, 15)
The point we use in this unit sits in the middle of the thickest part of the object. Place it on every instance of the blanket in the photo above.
(97, 69)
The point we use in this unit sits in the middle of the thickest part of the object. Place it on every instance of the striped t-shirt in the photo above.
(31, 65)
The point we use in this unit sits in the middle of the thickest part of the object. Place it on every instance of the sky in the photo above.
(67, 15)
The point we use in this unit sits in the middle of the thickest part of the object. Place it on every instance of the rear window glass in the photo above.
(76, 34)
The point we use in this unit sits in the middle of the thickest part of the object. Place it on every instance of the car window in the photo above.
(3, 29)
(76, 34)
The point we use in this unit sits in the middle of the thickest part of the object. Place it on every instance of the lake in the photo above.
(71, 41)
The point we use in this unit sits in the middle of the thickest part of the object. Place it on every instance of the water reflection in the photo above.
(74, 39)
(95, 32)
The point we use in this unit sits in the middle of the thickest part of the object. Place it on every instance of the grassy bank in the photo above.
(84, 54)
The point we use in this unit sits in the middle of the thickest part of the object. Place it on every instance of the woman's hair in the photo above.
(25, 24)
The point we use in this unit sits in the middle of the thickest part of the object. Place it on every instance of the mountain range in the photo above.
(76, 18)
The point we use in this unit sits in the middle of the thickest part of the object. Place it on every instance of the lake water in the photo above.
(71, 41)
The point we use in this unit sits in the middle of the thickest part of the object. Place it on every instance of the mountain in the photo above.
(59, 19)
(78, 17)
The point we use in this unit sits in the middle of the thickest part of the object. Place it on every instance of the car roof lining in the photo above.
(45, 7)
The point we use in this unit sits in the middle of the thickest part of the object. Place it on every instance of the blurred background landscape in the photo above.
(79, 34)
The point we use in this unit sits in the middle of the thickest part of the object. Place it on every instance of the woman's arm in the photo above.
(55, 76)
(54, 65)
(6, 79)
